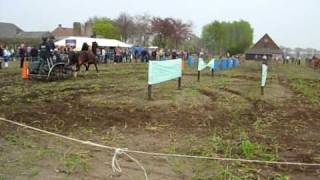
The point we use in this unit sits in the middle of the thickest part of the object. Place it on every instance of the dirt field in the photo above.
(222, 116)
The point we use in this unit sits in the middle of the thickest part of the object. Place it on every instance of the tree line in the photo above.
(217, 37)
(227, 37)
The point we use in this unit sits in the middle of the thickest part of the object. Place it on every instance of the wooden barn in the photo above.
(265, 46)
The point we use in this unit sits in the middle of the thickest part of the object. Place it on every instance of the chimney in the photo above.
(77, 29)
(88, 29)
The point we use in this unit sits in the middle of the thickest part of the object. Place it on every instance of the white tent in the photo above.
(78, 42)
(153, 47)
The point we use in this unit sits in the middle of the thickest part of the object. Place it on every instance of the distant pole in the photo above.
(179, 83)
(149, 92)
(262, 90)
(198, 76)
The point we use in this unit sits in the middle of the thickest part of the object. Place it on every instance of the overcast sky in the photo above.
(291, 23)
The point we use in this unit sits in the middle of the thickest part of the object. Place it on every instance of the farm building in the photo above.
(12, 34)
(265, 46)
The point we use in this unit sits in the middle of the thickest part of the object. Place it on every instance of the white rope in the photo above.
(118, 151)
(116, 166)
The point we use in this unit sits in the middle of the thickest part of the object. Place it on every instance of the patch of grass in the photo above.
(178, 166)
(303, 80)
(75, 162)
(219, 146)
(113, 135)
(87, 130)
(308, 89)
(247, 148)
(227, 173)
(3, 177)
(12, 139)
(34, 172)
(276, 176)
(46, 152)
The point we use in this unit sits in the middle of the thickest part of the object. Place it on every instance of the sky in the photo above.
(291, 23)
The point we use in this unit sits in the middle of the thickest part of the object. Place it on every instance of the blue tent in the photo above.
(229, 63)
(217, 65)
(224, 64)
(137, 49)
(236, 62)
(190, 60)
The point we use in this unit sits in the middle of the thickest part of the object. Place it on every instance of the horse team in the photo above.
(85, 57)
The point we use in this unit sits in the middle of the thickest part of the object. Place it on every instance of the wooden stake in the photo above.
(149, 92)
(262, 91)
(179, 83)
(198, 76)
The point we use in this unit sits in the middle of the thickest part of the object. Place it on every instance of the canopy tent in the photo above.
(153, 47)
(78, 42)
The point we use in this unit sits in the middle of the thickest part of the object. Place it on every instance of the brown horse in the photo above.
(85, 57)
(316, 62)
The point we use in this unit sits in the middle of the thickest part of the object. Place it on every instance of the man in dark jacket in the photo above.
(174, 54)
(44, 48)
(45, 54)
(34, 53)
(51, 43)
(22, 55)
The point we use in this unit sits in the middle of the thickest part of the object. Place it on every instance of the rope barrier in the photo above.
(124, 151)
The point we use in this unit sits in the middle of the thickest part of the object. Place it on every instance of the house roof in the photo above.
(62, 32)
(9, 30)
(265, 46)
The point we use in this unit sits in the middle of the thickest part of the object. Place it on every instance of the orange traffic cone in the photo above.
(25, 74)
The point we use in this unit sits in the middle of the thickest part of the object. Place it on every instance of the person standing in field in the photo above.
(7, 55)
(103, 54)
(118, 54)
(51, 44)
(299, 61)
(1, 56)
(34, 53)
(154, 55)
(22, 54)
(161, 54)
(174, 54)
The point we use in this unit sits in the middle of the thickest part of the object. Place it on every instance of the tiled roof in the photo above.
(265, 46)
(62, 31)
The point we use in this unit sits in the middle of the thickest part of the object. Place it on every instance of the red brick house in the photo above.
(77, 30)
(61, 32)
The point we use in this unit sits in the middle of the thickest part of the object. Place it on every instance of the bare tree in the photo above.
(142, 29)
(126, 25)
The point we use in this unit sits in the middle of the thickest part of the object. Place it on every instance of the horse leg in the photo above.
(77, 70)
(95, 64)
